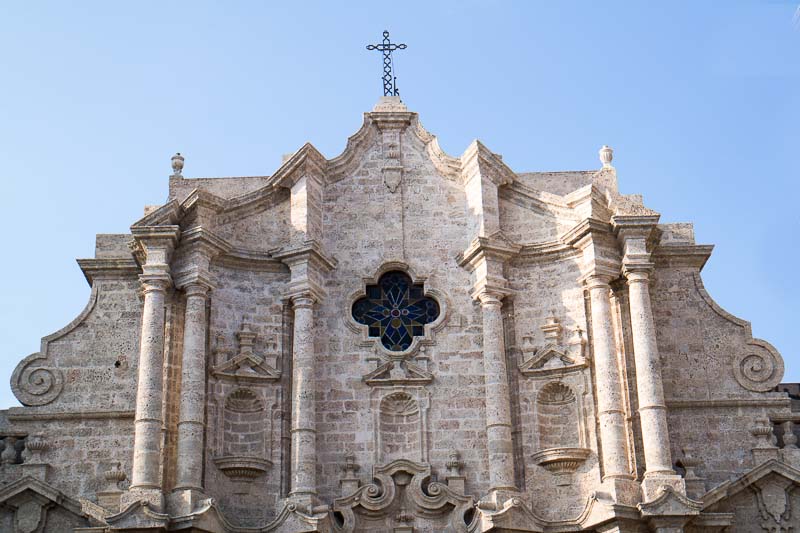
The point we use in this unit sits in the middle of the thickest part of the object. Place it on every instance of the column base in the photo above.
(153, 497)
(651, 485)
(623, 490)
(181, 502)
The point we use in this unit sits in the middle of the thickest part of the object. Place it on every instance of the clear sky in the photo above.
(700, 101)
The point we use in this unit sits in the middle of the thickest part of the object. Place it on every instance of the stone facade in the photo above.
(566, 370)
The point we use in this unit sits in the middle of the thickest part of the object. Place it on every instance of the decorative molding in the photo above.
(18, 414)
(676, 403)
(553, 358)
(114, 268)
(561, 461)
(403, 485)
(246, 366)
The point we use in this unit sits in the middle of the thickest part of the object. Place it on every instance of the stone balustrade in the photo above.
(777, 438)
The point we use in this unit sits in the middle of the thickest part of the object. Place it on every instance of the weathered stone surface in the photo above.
(565, 371)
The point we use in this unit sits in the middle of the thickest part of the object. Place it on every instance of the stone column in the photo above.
(609, 394)
(498, 402)
(191, 423)
(304, 433)
(652, 408)
(148, 421)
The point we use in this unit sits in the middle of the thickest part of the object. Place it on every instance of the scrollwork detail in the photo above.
(36, 384)
(758, 370)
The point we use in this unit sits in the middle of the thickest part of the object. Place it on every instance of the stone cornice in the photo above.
(168, 213)
(204, 240)
(545, 251)
(203, 198)
(588, 227)
(310, 251)
(682, 255)
(242, 258)
(486, 163)
(634, 225)
(156, 234)
(391, 119)
(108, 268)
(24, 414)
(730, 488)
(493, 247)
(306, 162)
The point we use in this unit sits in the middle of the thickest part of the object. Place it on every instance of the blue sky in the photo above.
(700, 101)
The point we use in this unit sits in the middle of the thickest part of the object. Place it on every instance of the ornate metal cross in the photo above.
(389, 80)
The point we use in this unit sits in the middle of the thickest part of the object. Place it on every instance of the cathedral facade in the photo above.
(398, 340)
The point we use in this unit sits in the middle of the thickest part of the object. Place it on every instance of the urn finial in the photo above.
(606, 155)
(177, 164)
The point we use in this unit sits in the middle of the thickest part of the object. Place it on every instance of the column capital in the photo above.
(597, 281)
(637, 272)
(303, 300)
(192, 280)
(488, 298)
(197, 288)
(155, 282)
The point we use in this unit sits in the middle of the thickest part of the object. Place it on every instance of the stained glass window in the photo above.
(396, 310)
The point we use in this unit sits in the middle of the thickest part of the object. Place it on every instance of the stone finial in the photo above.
(114, 476)
(763, 432)
(551, 329)
(247, 339)
(177, 164)
(36, 444)
(349, 483)
(606, 155)
(455, 479)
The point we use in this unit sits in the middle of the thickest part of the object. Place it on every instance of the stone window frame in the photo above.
(417, 344)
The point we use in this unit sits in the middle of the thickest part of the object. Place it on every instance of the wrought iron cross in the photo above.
(389, 80)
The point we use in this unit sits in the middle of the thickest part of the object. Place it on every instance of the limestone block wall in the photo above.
(715, 375)
(245, 415)
(422, 227)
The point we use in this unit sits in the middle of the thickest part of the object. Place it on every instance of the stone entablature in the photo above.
(546, 359)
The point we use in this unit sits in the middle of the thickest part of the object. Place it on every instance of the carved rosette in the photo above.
(36, 384)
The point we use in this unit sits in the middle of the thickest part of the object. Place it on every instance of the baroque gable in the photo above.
(397, 339)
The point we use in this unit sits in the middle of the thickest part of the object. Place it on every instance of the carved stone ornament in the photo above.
(401, 493)
(246, 366)
(561, 461)
(553, 357)
(758, 370)
(242, 468)
(34, 383)
(28, 516)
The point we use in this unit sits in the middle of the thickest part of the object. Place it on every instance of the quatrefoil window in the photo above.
(396, 310)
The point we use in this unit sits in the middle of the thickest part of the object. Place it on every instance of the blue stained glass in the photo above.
(396, 310)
